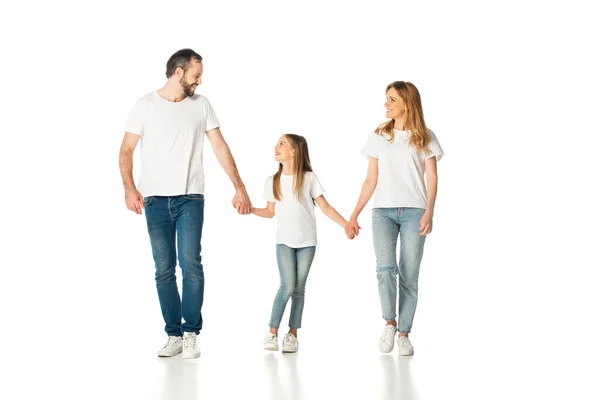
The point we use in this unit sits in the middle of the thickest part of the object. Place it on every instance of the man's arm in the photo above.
(227, 162)
(133, 198)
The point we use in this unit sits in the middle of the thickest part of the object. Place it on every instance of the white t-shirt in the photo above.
(172, 139)
(296, 223)
(401, 181)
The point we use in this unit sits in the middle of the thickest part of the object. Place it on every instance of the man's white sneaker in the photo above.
(270, 342)
(405, 346)
(172, 347)
(290, 343)
(189, 345)
(386, 342)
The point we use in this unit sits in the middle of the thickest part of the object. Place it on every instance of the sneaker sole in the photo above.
(190, 356)
(289, 351)
(169, 354)
(271, 348)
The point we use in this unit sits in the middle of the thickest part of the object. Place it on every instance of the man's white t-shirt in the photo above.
(401, 181)
(296, 223)
(172, 139)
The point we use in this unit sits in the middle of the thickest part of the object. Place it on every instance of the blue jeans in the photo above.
(178, 217)
(388, 223)
(294, 265)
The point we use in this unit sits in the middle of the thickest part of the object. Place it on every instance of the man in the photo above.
(171, 124)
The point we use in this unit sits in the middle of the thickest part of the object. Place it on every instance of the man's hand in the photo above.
(241, 202)
(134, 200)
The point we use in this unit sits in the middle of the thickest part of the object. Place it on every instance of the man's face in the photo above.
(192, 78)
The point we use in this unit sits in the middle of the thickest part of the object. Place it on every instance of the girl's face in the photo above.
(283, 150)
(394, 105)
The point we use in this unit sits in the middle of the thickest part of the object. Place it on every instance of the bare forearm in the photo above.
(432, 186)
(227, 162)
(126, 167)
(365, 195)
(262, 212)
(335, 216)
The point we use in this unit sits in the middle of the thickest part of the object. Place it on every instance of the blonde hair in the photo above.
(414, 122)
(301, 165)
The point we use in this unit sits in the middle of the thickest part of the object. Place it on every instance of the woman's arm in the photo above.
(432, 185)
(368, 188)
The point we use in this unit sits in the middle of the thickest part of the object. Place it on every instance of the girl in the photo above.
(400, 152)
(291, 194)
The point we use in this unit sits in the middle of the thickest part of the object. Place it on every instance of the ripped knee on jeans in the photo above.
(387, 268)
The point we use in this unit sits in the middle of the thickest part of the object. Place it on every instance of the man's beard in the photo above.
(188, 88)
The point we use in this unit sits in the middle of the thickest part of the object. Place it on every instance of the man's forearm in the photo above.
(228, 164)
(126, 167)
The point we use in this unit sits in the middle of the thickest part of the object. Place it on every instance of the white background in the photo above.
(508, 286)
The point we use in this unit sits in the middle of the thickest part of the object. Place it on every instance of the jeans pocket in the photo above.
(148, 200)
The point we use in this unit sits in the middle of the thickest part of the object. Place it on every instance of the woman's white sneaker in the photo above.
(290, 343)
(173, 347)
(189, 345)
(405, 346)
(270, 342)
(386, 342)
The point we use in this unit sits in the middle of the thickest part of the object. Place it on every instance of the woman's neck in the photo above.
(399, 124)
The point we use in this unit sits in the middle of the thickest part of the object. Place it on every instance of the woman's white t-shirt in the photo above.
(401, 181)
(296, 223)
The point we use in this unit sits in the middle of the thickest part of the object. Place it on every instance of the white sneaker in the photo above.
(290, 343)
(270, 342)
(189, 345)
(405, 346)
(172, 347)
(386, 342)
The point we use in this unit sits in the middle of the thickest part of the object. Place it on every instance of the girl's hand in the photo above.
(426, 224)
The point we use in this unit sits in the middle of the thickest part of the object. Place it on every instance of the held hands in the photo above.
(241, 202)
(426, 224)
(134, 200)
(352, 228)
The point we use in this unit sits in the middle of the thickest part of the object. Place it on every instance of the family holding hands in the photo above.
(401, 177)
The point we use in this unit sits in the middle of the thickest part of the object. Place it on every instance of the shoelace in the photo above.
(289, 339)
(171, 342)
(189, 341)
(403, 341)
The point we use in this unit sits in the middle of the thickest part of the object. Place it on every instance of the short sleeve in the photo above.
(371, 148)
(435, 148)
(136, 118)
(211, 119)
(315, 187)
(268, 190)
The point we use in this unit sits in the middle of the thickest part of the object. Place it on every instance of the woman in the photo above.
(401, 152)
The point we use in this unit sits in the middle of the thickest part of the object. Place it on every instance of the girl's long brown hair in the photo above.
(414, 122)
(301, 165)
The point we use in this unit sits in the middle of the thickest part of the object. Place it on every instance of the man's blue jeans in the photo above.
(168, 219)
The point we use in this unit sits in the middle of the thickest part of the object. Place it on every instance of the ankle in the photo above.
(390, 323)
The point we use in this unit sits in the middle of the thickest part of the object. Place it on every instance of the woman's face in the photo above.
(395, 107)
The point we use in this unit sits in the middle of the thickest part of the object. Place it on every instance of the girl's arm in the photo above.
(330, 211)
(268, 212)
(368, 188)
(432, 184)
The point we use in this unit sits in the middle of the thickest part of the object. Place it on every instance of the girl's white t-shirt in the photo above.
(401, 181)
(296, 223)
